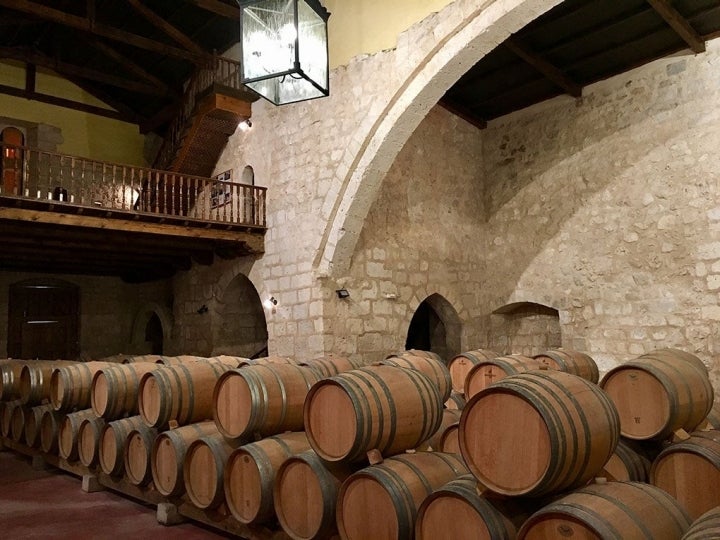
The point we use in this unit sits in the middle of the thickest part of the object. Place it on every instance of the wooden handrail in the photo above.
(34, 174)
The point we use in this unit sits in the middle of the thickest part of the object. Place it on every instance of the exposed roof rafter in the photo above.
(680, 24)
(166, 27)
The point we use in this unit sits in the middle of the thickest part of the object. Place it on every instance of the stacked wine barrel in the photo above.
(489, 446)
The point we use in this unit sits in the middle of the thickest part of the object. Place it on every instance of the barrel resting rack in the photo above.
(65, 213)
(170, 511)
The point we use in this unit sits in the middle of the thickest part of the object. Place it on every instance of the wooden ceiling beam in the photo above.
(680, 24)
(547, 69)
(218, 8)
(93, 27)
(130, 115)
(157, 21)
(68, 104)
(65, 68)
(464, 113)
(133, 67)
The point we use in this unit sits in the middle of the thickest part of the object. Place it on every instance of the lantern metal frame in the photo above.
(297, 71)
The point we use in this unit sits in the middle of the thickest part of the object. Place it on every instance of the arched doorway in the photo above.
(11, 166)
(241, 328)
(435, 326)
(154, 334)
(44, 320)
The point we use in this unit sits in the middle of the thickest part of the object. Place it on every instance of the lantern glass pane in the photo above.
(269, 38)
(312, 45)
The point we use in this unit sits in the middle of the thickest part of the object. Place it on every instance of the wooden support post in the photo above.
(90, 484)
(167, 514)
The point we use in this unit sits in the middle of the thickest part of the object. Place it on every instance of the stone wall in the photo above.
(110, 310)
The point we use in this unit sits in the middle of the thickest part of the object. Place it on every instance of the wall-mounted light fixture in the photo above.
(270, 303)
(284, 49)
(342, 293)
(202, 309)
(245, 125)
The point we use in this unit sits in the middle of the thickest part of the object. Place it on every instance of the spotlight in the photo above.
(245, 125)
(203, 309)
(342, 293)
(270, 303)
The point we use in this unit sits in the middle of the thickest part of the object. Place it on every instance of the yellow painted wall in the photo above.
(368, 26)
(85, 134)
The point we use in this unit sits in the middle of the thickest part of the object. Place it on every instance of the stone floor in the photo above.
(50, 504)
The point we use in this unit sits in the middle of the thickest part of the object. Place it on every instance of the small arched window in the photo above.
(11, 166)
(248, 176)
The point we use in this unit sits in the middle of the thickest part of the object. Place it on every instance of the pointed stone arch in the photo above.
(435, 326)
(144, 317)
(470, 30)
(527, 328)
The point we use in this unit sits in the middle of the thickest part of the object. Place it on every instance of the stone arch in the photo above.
(239, 326)
(481, 26)
(527, 328)
(435, 326)
(143, 317)
(248, 176)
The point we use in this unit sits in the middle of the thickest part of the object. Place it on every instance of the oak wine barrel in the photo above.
(114, 390)
(7, 412)
(263, 399)
(138, 359)
(458, 510)
(89, 440)
(68, 433)
(204, 470)
(456, 401)
(676, 354)
(250, 474)
(265, 360)
(49, 429)
(381, 501)
(450, 439)
(10, 379)
(449, 417)
(463, 362)
(627, 465)
(432, 368)
(70, 385)
(689, 470)
(112, 444)
(538, 432)
(136, 452)
(312, 515)
(415, 352)
(705, 527)
(381, 407)
(35, 380)
(713, 417)
(17, 423)
(331, 365)
(32, 424)
(575, 362)
(181, 392)
(487, 372)
(610, 511)
(656, 395)
(168, 454)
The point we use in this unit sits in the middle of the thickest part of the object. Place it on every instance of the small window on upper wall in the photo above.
(11, 165)
(248, 176)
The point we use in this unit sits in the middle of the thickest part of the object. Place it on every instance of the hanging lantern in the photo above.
(284, 49)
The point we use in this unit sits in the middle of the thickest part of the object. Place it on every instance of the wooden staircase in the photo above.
(213, 106)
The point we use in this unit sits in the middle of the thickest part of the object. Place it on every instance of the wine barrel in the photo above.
(182, 392)
(331, 365)
(89, 440)
(138, 359)
(433, 369)
(10, 379)
(35, 380)
(690, 471)
(450, 439)
(676, 354)
(569, 361)
(705, 527)
(182, 359)
(68, 433)
(168, 454)
(538, 432)
(138, 446)
(204, 470)
(450, 417)
(265, 360)
(313, 514)
(232, 361)
(70, 385)
(32, 424)
(17, 423)
(656, 395)
(7, 412)
(627, 465)
(112, 444)
(263, 399)
(381, 407)
(487, 372)
(456, 401)
(415, 352)
(462, 363)
(114, 390)
(458, 510)
(49, 429)
(381, 501)
(250, 474)
(615, 510)
(713, 418)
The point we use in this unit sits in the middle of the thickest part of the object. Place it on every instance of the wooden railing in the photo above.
(223, 72)
(32, 174)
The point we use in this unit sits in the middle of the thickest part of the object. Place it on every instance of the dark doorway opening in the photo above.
(154, 334)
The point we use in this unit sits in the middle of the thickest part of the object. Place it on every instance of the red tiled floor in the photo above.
(51, 505)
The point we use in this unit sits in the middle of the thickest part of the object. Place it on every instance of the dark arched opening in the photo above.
(154, 334)
(435, 326)
(241, 328)
(525, 328)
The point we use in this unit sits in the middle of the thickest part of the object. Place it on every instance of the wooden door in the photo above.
(12, 158)
(44, 320)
